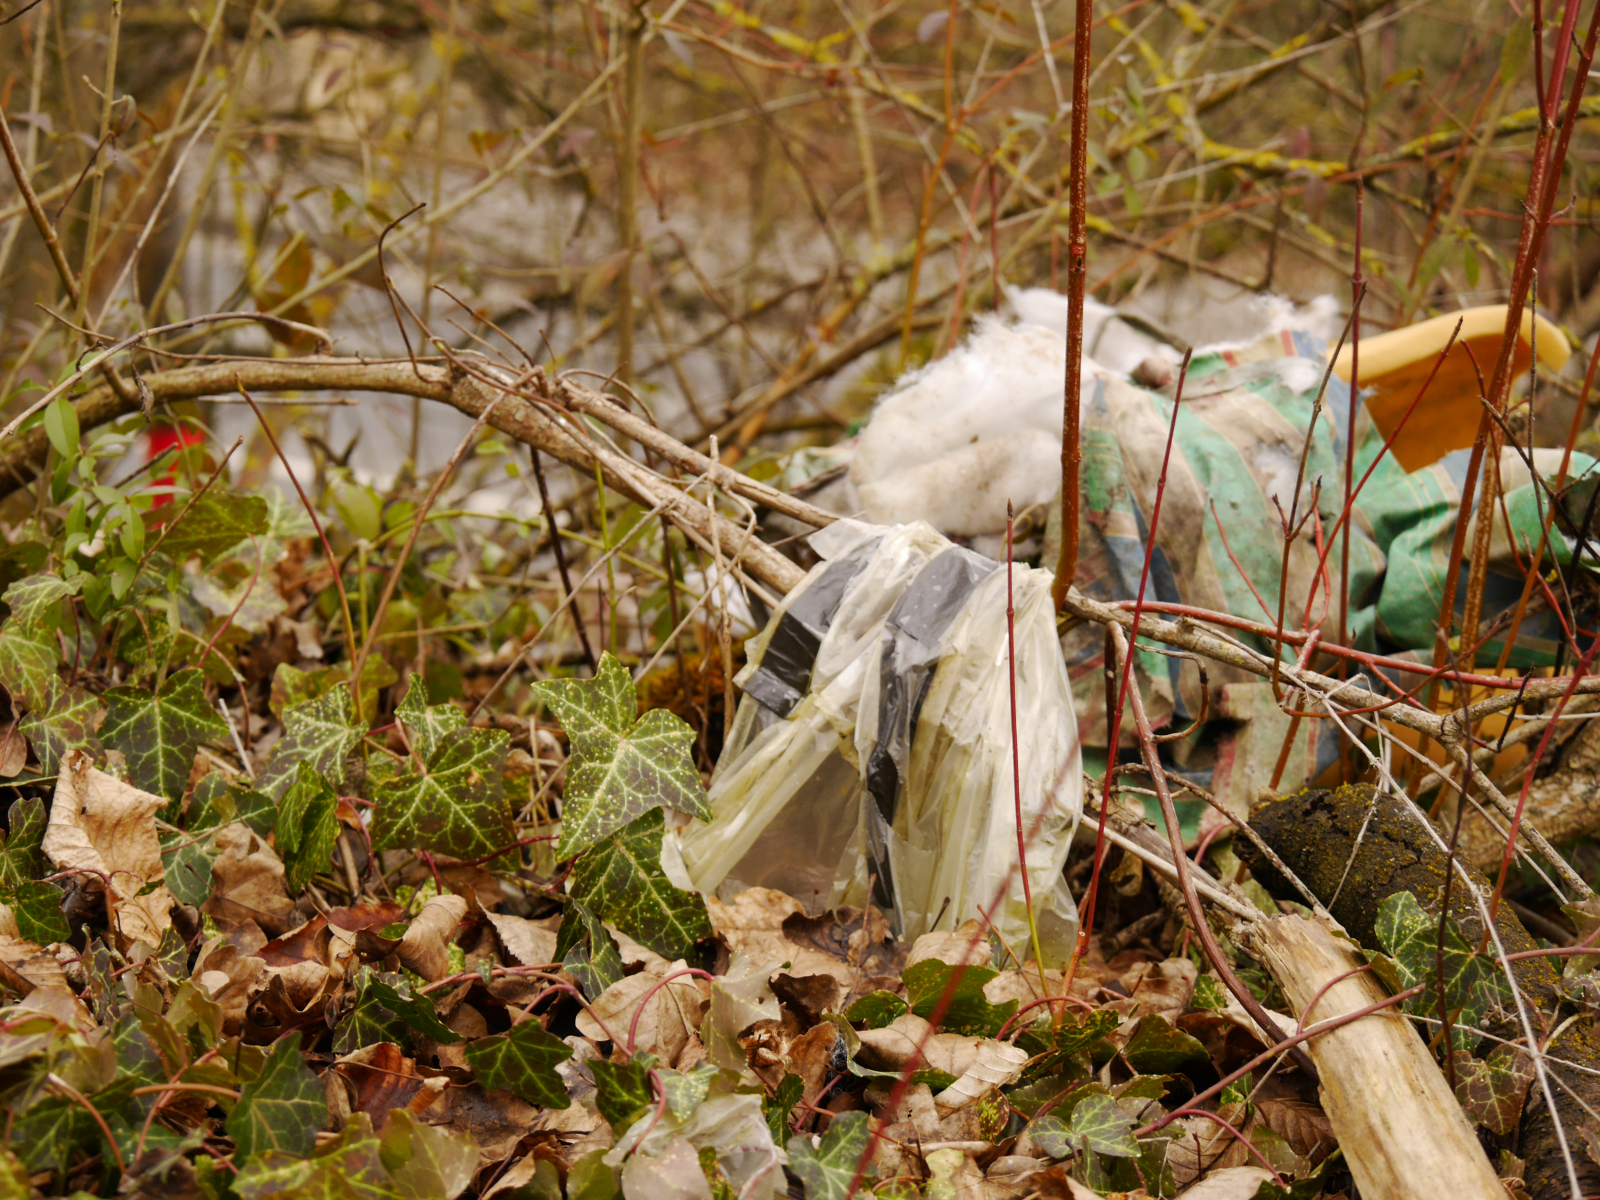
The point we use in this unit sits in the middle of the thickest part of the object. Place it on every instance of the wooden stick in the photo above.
(1400, 1127)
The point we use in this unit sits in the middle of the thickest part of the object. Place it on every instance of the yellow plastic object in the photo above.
(1395, 365)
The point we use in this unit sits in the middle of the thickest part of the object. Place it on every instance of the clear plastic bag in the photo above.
(870, 757)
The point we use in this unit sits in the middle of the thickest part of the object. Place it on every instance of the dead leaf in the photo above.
(378, 1078)
(247, 881)
(1163, 988)
(995, 1064)
(107, 827)
(967, 944)
(754, 922)
(13, 751)
(807, 996)
(228, 976)
(671, 1014)
(425, 948)
(1011, 1176)
(816, 1056)
(1230, 1183)
(530, 943)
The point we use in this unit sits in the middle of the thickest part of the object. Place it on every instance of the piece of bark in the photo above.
(1316, 835)
(1402, 1132)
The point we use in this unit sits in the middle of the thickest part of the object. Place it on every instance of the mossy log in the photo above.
(1317, 832)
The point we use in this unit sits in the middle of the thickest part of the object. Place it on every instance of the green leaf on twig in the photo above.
(623, 765)
(66, 721)
(426, 724)
(586, 950)
(214, 524)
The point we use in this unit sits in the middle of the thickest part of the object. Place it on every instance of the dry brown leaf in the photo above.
(1163, 988)
(1231, 1183)
(52, 992)
(247, 881)
(425, 948)
(228, 976)
(529, 943)
(813, 1056)
(670, 1016)
(753, 922)
(13, 751)
(1011, 1176)
(896, 1045)
(104, 826)
(1021, 986)
(995, 1064)
(378, 1078)
(966, 944)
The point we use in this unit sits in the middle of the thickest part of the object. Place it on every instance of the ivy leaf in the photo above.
(426, 724)
(35, 601)
(1095, 1121)
(217, 802)
(621, 768)
(319, 733)
(685, 1092)
(828, 1169)
(586, 950)
(777, 1107)
(29, 653)
(22, 857)
(1472, 982)
(35, 905)
(1492, 1090)
(1156, 1048)
(621, 880)
(282, 1108)
(350, 1167)
(159, 733)
(306, 828)
(215, 523)
(456, 806)
(65, 721)
(968, 1011)
(417, 1012)
(522, 1061)
(622, 1089)
(876, 1010)
(37, 909)
(186, 865)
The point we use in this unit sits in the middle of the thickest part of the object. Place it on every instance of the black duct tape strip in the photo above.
(914, 634)
(780, 682)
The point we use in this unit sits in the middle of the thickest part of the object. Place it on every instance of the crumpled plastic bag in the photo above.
(870, 757)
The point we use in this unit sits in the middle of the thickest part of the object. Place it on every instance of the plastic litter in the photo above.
(871, 755)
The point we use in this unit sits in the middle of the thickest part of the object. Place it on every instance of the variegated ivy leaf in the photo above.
(29, 651)
(214, 523)
(35, 906)
(319, 733)
(622, 882)
(829, 1169)
(426, 724)
(621, 767)
(455, 806)
(66, 721)
(282, 1108)
(1095, 1122)
(160, 732)
(1473, 984)
(522, 1061)
(1492, 1089)
(307, 828)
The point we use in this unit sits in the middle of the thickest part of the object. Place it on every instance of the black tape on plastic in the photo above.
(780, 682)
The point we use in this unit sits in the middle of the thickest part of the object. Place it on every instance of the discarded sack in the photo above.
(871, 754)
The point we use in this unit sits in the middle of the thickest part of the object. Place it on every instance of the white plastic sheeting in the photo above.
(871, 755)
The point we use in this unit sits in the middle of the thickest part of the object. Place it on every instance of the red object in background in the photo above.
(162, 438)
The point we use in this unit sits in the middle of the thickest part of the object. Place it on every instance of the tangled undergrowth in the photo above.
(268, 931)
